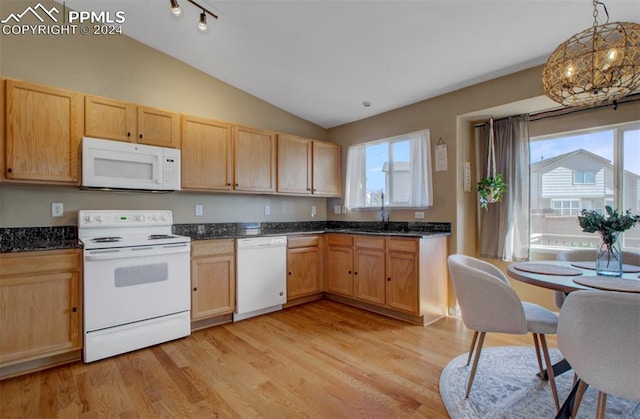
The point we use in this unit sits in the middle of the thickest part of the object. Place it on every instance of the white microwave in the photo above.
(120, 165)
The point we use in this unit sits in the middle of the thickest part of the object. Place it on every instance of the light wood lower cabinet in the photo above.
(40, 310)
(400, 277)
(213, 282)
(304, 266)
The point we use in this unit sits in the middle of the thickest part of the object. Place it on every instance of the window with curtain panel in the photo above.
(586, 169)
(394, 172)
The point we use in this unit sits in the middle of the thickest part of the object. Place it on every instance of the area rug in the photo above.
(506, 386)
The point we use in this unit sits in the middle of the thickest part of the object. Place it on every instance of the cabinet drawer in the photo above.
(403, 245)
(38, 262)
(339, 240)
(212, 247)
(370, 242)
(302, 241)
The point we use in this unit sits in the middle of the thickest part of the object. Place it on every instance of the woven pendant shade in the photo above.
(600, 64)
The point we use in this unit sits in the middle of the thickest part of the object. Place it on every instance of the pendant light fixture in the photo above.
(202, 22)
(598, 65)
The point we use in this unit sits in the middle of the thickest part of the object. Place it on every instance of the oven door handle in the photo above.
(131, 252)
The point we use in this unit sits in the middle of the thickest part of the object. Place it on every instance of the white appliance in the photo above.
(136, 281)
(261, 276)
(121, 165)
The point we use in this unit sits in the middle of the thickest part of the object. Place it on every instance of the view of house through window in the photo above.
(394, 172)
(571, 172)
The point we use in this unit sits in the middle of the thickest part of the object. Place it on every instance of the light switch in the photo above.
(313, 211)
(267, 210)
(199, 210)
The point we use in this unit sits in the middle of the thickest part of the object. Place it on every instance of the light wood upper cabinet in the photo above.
(326, 169)
(213, 278)
(121, 121)
(40, 310)
(43, 131)
(109, 119)
(255, 160)
(308, 167)
(207, 154)
(294, 164)
(158, 127)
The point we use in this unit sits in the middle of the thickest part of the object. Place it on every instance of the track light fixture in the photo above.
(202, 23)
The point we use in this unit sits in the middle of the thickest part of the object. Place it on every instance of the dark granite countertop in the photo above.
(24, 239)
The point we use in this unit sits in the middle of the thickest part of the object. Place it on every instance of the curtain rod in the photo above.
(567, 111)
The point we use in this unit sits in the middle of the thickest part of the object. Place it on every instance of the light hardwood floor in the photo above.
(318, 360)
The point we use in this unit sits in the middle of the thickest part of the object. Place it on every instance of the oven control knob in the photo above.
(88, 218)
(140, 217)
(163, 217)
(99, 218)
(154, 217)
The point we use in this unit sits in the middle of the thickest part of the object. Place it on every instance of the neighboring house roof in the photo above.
(399, 166)
(543, 164)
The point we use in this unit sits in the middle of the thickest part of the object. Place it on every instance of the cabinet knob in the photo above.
(237, 184)
(228, 184)
(195, 289)
(349, 272)
(355, 273)
(128, 134)
(140, 135)
(9, 170)
(281, 293)
(388, 279)
(74, 309)
(289, 273)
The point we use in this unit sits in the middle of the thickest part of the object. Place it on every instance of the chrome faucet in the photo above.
(384, 217)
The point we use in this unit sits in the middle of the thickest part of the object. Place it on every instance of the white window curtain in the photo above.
(421, 195)
(421, 187)
(356, 187)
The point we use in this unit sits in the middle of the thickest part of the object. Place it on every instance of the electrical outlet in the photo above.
(337, 209)
(419, 214)
(267, 210)
(344, 210)
(199, 210)
(57, 209)
(314, 211)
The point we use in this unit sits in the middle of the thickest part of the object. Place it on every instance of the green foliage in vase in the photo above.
(609, 225)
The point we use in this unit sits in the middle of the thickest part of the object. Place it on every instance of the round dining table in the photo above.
(568, 277)
(572, 276)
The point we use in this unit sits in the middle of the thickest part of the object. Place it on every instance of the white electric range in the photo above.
(136, 281)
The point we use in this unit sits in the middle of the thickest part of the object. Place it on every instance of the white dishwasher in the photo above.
(261, 277)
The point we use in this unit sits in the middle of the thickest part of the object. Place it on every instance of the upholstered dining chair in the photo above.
(588, 255)
(488, 304)
(599, 334)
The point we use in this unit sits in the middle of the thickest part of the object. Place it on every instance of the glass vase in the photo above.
(609, 256)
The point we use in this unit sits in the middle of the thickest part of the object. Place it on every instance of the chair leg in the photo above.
(473, 344)
(536, 344)
(550, 374)
(601, 406)
(475, 364)
(582, 387)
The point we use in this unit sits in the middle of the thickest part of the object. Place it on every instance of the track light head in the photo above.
(175, 8)
(202, 24)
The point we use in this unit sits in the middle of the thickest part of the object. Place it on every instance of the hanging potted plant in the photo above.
(491, 188)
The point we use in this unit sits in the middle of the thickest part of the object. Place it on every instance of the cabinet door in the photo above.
(109, 119)
(402, 281)
(303, 269)
(340, 270)
(207, 155)
(294, 164)
(213, 289)
(43, 130)
(326, 169)
(255, 160)
(369, 275)
(39, 315)
(159, 128)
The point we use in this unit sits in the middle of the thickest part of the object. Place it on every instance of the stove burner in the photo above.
(160, 236)
(106, 239)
